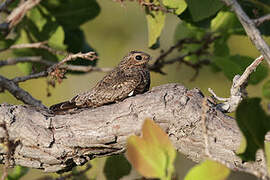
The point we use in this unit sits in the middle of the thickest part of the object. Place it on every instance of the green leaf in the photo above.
(41, 24)
(155, 23)
(178, 5)
(266, 89)
(204, 23)
(208, 170)
(36, 16)
(116, 167)
(24, 67)
(152, 155)
(76, 42)
(57, 39)
(243, 146)
(226, 22)
(17, 173)
(254, 124)
(186, 30)
(35, 35)
(221, 47)
(232, 65)
(229, 68)
(201, 9)
(72, 13)
(264, 28)
(6, 43)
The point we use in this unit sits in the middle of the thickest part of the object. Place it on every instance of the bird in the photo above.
(129, 78)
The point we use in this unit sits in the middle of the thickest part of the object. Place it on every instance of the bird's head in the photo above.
(135, 59)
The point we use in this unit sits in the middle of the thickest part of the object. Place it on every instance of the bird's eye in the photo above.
(138, 57)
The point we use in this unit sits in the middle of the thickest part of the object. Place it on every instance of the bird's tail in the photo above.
(62, 107)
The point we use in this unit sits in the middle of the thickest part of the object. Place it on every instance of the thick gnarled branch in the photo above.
(59, 142)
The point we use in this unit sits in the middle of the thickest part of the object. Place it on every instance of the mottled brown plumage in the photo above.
(130, 77)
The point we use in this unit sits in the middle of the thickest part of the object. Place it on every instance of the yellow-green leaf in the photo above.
(243, 145)
(57, 38)
(152, 155)
(178, 5)
(38, 18)
(23, 39)
(155, 23)
(208, 170)
(223, 21)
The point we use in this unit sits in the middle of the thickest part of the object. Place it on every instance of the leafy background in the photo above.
(114, 32)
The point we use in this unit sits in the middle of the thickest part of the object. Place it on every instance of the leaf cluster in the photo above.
(58, 24)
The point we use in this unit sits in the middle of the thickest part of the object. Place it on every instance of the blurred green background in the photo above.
(113, 33)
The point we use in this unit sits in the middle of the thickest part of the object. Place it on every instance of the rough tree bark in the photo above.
(56, 143)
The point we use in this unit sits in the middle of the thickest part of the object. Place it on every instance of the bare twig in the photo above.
(160, 62)
(217, 97)
(31, 76)
(154, 7)
(238, 89)
(89, 55)
(36, 59)
(250, 28)
(18, 13)
(55, 66)
(243, 79)
(262, 19)
(59, 73)
(19, 93)
(150, 5)
(179, 45)
(156, 67)
(38, 45)
(87, 68)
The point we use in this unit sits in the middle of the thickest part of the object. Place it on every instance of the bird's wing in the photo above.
(112, 88)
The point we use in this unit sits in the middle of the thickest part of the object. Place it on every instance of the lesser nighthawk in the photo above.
(130, 77)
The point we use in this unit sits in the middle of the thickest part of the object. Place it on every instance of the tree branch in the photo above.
(205, 42)
(39, 59)
(18, 13)
(262, 19)
(19, 93)
(54, 71)
(250, 28)
(56, 143)
(35, 59)
(37, 45)
(238, 89)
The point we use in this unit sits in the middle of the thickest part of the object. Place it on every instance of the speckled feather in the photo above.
(131, 76)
